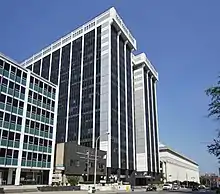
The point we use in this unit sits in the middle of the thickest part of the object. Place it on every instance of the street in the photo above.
(137, 191)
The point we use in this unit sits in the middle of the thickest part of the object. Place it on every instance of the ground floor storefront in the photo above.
(15, 176)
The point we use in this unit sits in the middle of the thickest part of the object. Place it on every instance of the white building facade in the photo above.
(176, 167)
(28, 109)
(146, 119)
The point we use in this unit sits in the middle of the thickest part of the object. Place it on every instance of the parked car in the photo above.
(151, 188)
(167, 186)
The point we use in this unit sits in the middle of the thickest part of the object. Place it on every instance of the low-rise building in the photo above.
(76, 160)
(28, 108)
(176, 167)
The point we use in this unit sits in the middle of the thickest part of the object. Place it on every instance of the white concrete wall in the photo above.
(176, 168)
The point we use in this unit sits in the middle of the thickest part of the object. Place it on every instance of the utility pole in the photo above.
(87, 153)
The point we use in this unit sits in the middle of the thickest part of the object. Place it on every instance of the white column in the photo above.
(51, 56)
(119, 108)
(54, 137)
(149, 120)
(9, 179)
(68, 98)
(94, 91)
(18, 170)
(109, 100)
(153, 124)
(0, 178)
(133, 116)
(17, 176)
(80, 100)
(126, 103)
(145, 128)
(156, 118)
(41, 63)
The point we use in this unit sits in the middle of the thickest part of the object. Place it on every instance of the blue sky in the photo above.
(181, 38)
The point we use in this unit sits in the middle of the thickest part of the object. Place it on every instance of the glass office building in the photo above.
(146, 119)
(27, 125)
(92, 68)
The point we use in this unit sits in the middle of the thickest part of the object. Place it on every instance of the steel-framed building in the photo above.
(92, 67)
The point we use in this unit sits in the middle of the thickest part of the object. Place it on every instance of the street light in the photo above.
(96, 150)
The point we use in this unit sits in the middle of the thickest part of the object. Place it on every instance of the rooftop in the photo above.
(142, 59)
(92, 24)
(164, 148)
(8, 59)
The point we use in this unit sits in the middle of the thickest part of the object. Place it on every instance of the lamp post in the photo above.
(96, 150)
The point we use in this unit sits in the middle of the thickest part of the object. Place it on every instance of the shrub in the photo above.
(73, 180)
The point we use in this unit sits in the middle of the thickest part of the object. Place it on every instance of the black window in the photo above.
(55, 67)
(19, 120)
(36, 141)
(39, 157)
(11, 135)
(9, 153)
(7, 117)
(9, 100)
(17, 137)
(41, 84)
(22, 90)
(13, 118)
(15, 103)
(29, 108)
(48, 158)
(31, 139)
(63, 94)
(1, 63)
(2, 152)
(5, 134)
(1, 115)
(25, 138)
(21, 104)
(6, 66)
(29, 156)
(13, 69)
(15, 155)
(18, 73)
(75, 81)
(34, 156)
(2, 98)
(11, 84)
(32, 124)
(41, 141)
(17, 87)
(4, 81)
(37, 67)
(45, 67)
(88, 89)
(24, 155)
(31, 80)
(24, 75)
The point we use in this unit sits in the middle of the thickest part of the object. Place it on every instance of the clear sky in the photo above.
(181, 38)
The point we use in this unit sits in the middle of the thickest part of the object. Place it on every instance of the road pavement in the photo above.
(136, 191)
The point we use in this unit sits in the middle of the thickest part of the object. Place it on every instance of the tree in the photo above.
(214, 111)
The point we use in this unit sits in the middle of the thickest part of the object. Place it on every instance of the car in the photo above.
(167, 186)
(195, 188)
(151, 188)
(175, 187)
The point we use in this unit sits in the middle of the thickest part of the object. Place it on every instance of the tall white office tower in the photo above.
(146, 120)
(92, 67)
